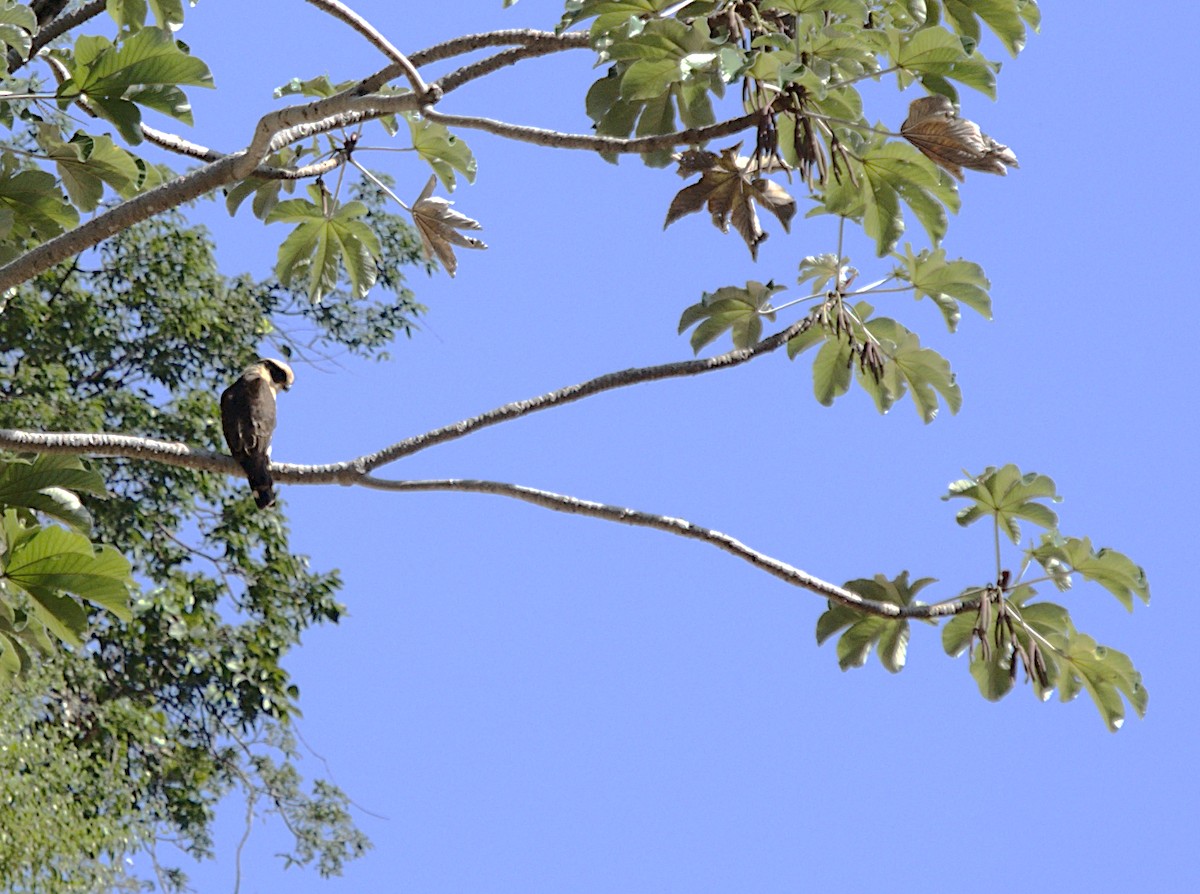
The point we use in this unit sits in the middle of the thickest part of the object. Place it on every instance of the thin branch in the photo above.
(476, 70)
(174, 143)
(555, 139)
(471, 42)
(345, 14)
(572, 393)
(681, 527)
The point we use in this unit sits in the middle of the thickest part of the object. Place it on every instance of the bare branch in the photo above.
(175, 454)
(572, 393)
(175, 143)
(475, 70)
(547, 40)
(343, 13)
(681, 527)
(557, 140)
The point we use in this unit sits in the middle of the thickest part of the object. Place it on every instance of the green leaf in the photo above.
(18, 24)
(150, 56)
(88, 162)
(1105, 673)
(442, 150)
(168, 14)
(1006, 495)
(882, 220)
(733, 309)
(147, 68)
(55, 559)
(1002, 16)
(831, 371)
(927, 190)
(821, 269)
(129, 15)
(328, 235)
(931, 50)
(923, 372)
(48, 484)
(1113, 570)
(854, 8)
(958, 632)
(646, 79)
(863, 631)
(37, 206)
(947, 283)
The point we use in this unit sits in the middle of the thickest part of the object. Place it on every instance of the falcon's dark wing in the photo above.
(248, 420)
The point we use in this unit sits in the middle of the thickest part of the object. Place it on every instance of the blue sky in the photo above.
(525, 701)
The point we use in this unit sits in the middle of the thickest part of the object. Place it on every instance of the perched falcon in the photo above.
(933, 126)
(248, 420)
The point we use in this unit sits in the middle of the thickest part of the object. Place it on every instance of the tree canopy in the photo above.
(146, 606)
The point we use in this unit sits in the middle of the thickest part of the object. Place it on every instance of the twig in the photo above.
(343, 13)
(471, 42)
(558, 140)
(681, 527)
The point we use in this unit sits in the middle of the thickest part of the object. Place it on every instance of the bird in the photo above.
(933, 126)
(248, 420)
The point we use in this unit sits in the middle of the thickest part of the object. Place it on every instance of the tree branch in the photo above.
(175, 143)
(176, 454)
(357, 471)
(57, 28)
(570, 394)
(475, 70)
(274, 131)
(471, 42)
(681, 527)
(345, 14)
(557, 140)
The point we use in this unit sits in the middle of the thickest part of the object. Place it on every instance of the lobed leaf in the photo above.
(1006, 495)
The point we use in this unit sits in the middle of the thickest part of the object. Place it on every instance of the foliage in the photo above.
(1004, 628)
(179, 697)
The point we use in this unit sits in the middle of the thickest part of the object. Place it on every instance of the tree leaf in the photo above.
(729, 187)
(18, 24)
(740, 311)
(55, 559)
(863, 631)
(946, 283)
(1006, 495)
(438, 225)
(1113, 570)
(442, 150)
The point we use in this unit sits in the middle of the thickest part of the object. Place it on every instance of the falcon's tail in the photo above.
(258, 471)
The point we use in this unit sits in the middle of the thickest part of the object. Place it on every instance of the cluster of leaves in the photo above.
(1008, 628)
(885, 357)
(65, 170)
(182, 695)
(330, 238)
(798, 62)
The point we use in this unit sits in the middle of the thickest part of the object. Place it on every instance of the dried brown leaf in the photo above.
(933, 126)
(438, 225)
(729, 190)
